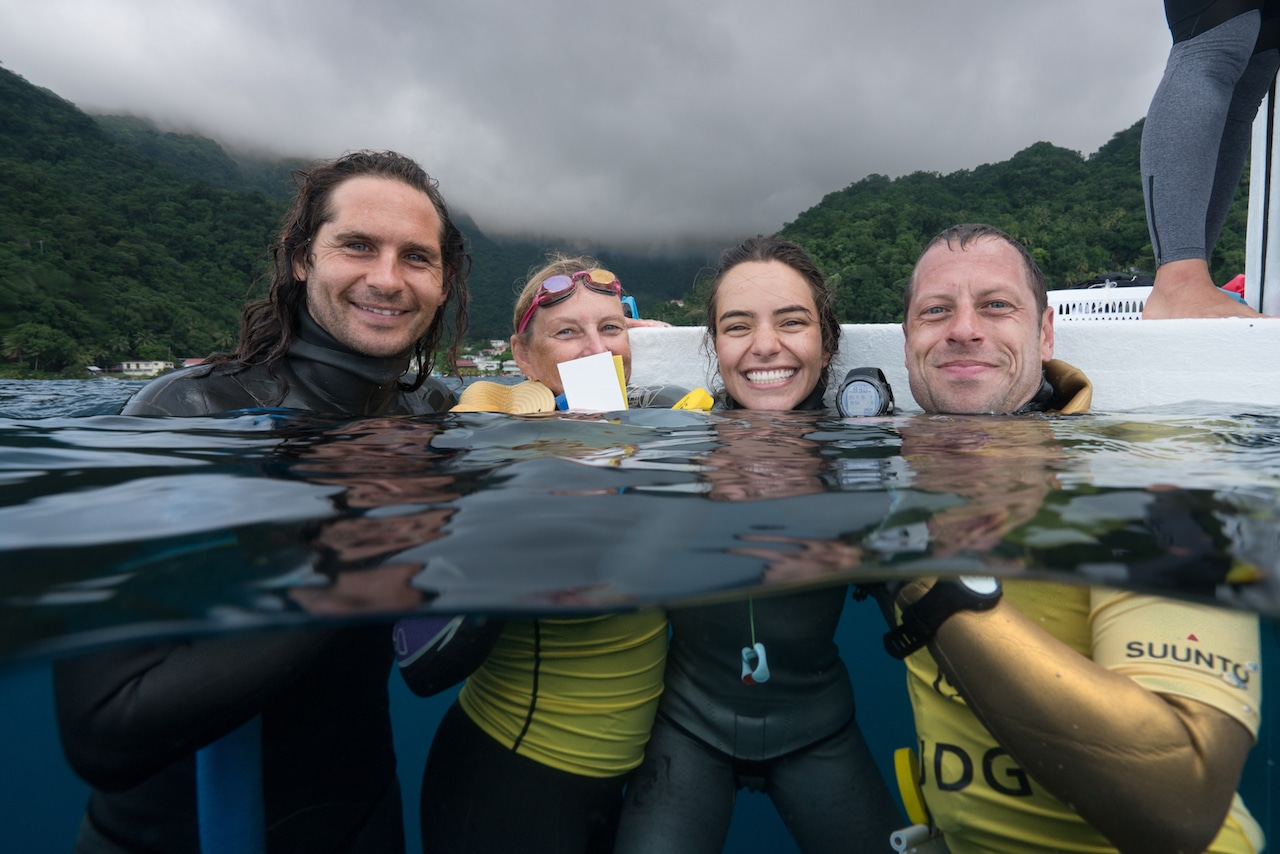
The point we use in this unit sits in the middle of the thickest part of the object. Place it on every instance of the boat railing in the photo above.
(1113, 303)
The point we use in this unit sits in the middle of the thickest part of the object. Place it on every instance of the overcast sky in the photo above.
(652, 121)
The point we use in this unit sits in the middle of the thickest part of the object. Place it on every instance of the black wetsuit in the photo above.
(793, 737)
(1189, 18)
(131, 720)
(319, 375)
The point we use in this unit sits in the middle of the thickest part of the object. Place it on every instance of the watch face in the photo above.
(859, 398)
(983, 585)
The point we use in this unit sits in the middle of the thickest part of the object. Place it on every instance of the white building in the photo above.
(144, 368)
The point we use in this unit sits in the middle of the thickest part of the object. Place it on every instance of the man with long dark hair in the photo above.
(367, 265)
(366, 269)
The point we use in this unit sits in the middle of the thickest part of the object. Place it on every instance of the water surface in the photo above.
(115, 528)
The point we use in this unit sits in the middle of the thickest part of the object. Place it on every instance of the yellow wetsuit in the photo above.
(980, 798)
(574, 694)
(577, 694)
(984, 802)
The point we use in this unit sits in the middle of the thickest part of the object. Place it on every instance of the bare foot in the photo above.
(1184, 289)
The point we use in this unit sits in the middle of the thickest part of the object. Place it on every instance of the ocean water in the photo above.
(115, 528)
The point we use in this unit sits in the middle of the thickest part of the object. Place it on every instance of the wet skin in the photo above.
(768, 341)
(975, 342)
(373, 272)
(583, 325)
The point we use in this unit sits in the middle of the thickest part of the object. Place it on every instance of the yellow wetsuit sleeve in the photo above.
(1069, 382)
(1181, 649)
(1151, 772)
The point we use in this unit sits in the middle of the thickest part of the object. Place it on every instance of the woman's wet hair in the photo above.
(268, 326)
(763, 249)
(557, 264)
(964, 234)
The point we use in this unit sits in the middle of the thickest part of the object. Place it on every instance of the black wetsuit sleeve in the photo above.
(435, 396)
(436, 653)
(193, 391)
(655, 397)
(127, 714)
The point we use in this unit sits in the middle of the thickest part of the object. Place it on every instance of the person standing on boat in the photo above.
(367, 263)
(1054, 717)
(1195, 140)
(534, 754)
(756, 693)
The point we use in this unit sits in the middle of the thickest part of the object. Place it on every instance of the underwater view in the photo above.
(123, 530)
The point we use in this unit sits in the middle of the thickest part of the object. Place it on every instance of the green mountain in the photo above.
(1079, 216)
(105, 255)
(195, 158)
(119, 240)
(500, 266)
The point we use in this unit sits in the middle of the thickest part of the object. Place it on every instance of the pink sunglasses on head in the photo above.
(559, 288)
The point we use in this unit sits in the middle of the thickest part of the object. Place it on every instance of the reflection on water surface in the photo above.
(113, 527)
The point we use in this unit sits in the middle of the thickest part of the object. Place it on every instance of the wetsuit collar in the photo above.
(352, 381)
(1044, 400)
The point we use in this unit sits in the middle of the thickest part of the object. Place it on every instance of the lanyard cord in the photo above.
(751, 611)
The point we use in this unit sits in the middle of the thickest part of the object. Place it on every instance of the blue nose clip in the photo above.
(755, 665)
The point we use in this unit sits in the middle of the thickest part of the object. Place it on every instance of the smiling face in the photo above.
(373, 270)
(975, 342)
(586, 323)
(768, 339)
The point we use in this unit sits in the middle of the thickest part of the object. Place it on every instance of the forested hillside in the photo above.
(195, 158)
(1079, 217)
(120, 241)
(105, 255)
(500, 265)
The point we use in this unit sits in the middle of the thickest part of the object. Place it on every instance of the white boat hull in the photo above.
(1134, 364)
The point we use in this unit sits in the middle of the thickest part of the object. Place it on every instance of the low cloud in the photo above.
(657, 122)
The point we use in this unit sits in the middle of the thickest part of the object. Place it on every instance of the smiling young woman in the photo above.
(772, 325)
(756, 694)
(768, 340)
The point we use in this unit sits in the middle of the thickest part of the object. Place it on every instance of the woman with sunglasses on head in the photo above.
(534, 755)
(567, 327)
(570, 309)
(784, 723)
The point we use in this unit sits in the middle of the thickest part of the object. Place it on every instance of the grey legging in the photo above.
(1199, 125)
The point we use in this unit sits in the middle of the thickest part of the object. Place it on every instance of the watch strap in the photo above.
(921, 619)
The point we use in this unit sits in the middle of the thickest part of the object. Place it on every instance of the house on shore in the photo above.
(142, 368)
